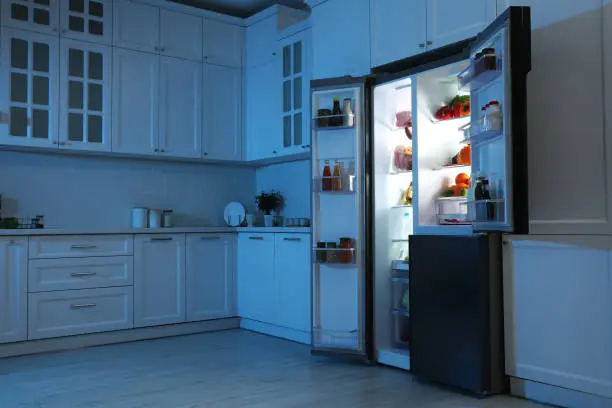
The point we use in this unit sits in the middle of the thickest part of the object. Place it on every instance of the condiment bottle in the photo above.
(349, 118)
(337, 180)
(327, 180)
(337, 117)
(345, 255)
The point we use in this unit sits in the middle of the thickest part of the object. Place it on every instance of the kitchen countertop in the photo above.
(174, 230)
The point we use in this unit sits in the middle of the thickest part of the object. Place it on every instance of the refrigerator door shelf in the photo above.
(324, 123)
(339, 339)
(481, 72)
(477, 133)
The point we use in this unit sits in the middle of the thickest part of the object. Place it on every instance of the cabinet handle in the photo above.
(274, 54)
(83, 305)
(162, 150)
(293, 239)
(162, 239)
(205, 153)
(83, 246)
(273, 151)
(79, 274)
(162, 49)
(256, 238)
(156, 150)
(209, 238)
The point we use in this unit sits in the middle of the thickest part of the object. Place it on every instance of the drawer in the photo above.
(64, 313)
(72, 246)
(80, 273)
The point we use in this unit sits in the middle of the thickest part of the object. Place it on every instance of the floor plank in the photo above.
(216, 370)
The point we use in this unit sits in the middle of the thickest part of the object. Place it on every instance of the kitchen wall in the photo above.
(100, 192)
(293, 181)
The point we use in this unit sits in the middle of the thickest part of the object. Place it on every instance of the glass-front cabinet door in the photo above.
(37, 15)
(295, 93)
(85, 85)
(28, 89)
(88, 20)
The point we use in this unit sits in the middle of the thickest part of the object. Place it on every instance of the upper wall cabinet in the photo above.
(261, 42)
(223, 43)
(136, 26)
(180, 35)
(39, 15)
(85, 84)
(341, 38)
(399, 29)
(28, 88)
(87, 20)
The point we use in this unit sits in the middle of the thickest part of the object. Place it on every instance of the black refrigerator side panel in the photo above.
(452, 339)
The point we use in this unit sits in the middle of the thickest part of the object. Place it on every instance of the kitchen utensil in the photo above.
(140, 217)
(155, 218)
(234, 214)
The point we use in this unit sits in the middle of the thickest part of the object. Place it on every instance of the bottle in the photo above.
(489, 205)
(349, 118)
(337, 180)
(326, 183)
(350, 186)
(336, 119)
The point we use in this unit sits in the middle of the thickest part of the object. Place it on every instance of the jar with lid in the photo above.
(346, 255)
(493, 117)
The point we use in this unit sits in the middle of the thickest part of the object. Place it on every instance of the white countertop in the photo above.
(174, 230)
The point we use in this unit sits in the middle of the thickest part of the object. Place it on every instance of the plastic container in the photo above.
(452, 211)
(155, 218)
(140, 217)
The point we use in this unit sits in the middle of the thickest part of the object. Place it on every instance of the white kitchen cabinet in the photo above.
(80, 246)
(136, 26)
(558, 311)
(261, 42)
(449, 21)
(40, 16)
(180, 108)
(222, 114)
(398, 29)
(135, 102)
(87, 20)
(210, 276)
(13, 289)
(292, 276)
(223, 43)
(341, 39)
(256, 285)
(85, 97)
(180, 35)
(159, 279)
(28, 88)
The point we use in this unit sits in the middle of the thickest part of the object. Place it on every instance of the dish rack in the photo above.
(36, 222)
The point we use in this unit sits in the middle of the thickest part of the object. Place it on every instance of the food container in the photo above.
(167, 219)
(323, 117)
(155, 218)
(140, 217)
(332, 254)
(452, 211)
(320, 253)
(346, 255)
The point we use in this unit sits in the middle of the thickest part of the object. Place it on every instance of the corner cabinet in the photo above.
(40, 15)
(28, 88)
(159, 279)
(13, 289)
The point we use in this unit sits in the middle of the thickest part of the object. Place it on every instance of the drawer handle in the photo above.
(209, 238)
(79, 274)
(256, 238)
(293, 239)
(83, 306)
(83, 246)
(162, 239)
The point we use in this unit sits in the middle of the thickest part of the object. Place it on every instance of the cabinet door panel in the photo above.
(256, 288)
(222, 114)
(159, 279)
(261, 42)
(13, 289)
(180, 119)
(223, 43)
(210, 276)
(136, 26)
(292, 275)
(135, 102)
(180, 35)
(39, 16)
(87, 20)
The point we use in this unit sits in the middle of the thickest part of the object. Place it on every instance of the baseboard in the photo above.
(119, 336)
(550, 394)
(276, 331)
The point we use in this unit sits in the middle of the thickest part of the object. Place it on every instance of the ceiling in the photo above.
(239, 8)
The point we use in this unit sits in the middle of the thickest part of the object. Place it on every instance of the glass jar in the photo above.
(346, 255)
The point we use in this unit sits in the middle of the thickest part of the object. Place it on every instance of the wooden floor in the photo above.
(224, 369)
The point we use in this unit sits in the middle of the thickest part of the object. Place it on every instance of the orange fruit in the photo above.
(462, 185)
(462, 178)
(455, 189)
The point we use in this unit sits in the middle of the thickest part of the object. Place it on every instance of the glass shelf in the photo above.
(402, 206)
(452, 166)
(396, 172)
(399, 265)
(438, 121)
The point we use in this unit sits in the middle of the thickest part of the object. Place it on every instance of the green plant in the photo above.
(269, 201)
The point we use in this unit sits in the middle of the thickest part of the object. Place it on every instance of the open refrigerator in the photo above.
(440, 141)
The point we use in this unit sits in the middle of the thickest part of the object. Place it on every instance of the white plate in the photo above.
(234, 214)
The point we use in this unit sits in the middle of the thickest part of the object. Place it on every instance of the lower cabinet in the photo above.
(69, 312)
(558, 311)
(159, 279)
(13, 289)
(210, 276)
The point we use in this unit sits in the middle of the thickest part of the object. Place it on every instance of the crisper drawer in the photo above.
(80, 273)
(64, 313)
(72, 246)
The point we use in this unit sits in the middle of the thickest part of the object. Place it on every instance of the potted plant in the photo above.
(268, 202)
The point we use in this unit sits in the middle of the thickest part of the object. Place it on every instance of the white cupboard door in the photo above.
(159, 279)
(180, 35)
(85, 83)
(292, 275)
(222, 115)
(136, 26)
(13, 289)
(135, 102)
(449, 21)
(558, 312)
(398, 29)
(342, 39)
(256, 288)
(28, 89)
(87, 20)
(223, 43)
(261, 42)
(210, 276)
(40, 16)
(180, 109)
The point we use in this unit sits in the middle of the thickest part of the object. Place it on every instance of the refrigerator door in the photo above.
(341, 285)
(496, 78)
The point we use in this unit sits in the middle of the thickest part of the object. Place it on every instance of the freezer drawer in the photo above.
(72, 246)
(65, 313)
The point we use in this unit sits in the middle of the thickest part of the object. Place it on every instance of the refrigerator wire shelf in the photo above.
(336, 338)
(481, 72)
